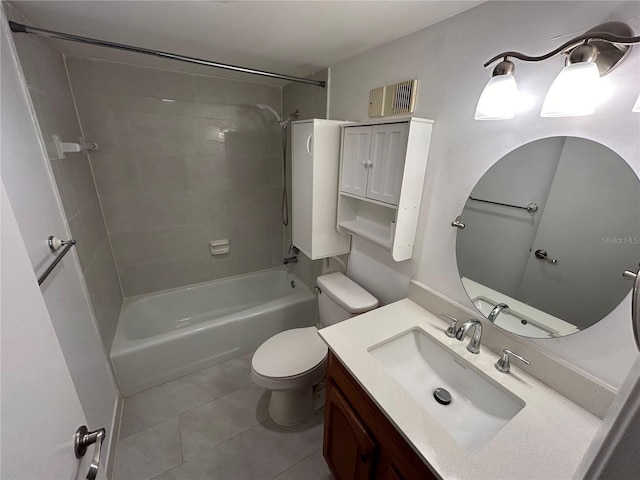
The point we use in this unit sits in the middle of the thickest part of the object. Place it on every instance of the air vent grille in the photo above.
(376, 102)
(397, 99)
(404, 98)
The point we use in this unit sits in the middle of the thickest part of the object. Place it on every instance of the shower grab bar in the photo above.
(532, 207)
(20, 28)
(54, 245)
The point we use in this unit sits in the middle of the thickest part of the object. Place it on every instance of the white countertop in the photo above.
(545, 441)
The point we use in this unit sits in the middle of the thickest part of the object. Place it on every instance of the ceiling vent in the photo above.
(397, 99)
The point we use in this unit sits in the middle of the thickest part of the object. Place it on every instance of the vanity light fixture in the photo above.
(574, 91)
(499, 97)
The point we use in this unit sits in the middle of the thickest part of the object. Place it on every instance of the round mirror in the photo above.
(549, 229)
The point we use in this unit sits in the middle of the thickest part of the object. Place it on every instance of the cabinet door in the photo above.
(348, 448)
(386, 471)
(355, 160)
(388, 151)
(302, 185)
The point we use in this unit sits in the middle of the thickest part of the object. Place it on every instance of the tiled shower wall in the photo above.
(45, 74)
(183, 160)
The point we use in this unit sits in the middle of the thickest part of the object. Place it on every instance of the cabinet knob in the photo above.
(364, 457)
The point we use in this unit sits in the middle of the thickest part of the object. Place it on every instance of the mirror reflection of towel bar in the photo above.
(532, 207)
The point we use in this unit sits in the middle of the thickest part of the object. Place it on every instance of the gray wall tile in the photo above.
(124, 248)
(183, 159)
(89, 230)
(53, 102)
(115, 211)
(65, 188)
(104, 290)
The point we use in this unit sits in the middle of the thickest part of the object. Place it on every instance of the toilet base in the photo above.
(290, 407)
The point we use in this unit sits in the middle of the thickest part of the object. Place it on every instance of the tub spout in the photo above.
(289, 257)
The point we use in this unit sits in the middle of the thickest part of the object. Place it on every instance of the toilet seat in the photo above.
(290, 358)
(290, 353)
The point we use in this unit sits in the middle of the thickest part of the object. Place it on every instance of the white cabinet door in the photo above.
(40, 408)
(355, 160)
(388, 151)
(302, 185)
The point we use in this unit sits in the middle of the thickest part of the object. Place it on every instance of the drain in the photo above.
(442, 396)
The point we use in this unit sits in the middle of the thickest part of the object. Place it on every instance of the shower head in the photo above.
(262, 106)
(284, 123)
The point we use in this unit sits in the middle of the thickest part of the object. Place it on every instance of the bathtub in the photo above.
(163, 336)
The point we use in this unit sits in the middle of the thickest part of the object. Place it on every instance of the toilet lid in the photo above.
(289, 353)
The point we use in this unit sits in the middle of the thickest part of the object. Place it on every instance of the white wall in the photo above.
(29, 183)
(447, 59)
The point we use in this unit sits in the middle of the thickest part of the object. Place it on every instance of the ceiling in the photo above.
(290, 37)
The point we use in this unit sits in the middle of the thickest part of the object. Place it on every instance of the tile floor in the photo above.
(214, 424)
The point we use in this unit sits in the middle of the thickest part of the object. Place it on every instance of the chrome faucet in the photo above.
(501, 307)
(289, 258)
(503, 365)
(451, 330)
(474, 344)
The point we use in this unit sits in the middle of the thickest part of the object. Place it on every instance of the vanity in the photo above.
(360, 442)
(377, 426)
(541, 247)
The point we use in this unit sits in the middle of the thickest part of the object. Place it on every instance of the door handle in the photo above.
(542, 255)
(82, 440)
(635, 303)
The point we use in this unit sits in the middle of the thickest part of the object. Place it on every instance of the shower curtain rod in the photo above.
(20, 28)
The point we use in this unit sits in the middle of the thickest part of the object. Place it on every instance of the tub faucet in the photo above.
(474, 344)
(501, 307)
(289, 258)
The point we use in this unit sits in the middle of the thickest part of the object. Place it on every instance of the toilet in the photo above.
(293, 363)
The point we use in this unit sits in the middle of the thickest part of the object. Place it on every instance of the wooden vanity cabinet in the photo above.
(360, 443)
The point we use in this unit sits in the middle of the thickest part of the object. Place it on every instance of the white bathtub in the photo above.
(163, 336)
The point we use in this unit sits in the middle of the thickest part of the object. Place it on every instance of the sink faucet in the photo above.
(474, 344)
(501, 307)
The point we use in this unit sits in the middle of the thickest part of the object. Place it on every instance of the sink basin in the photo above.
(514, 322)
(479, 407)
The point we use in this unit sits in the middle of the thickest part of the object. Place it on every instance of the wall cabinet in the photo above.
(360, 443)
(315, 163)
(382, 171)
(373, 161)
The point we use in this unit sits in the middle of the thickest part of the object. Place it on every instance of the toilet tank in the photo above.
(341, 298)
